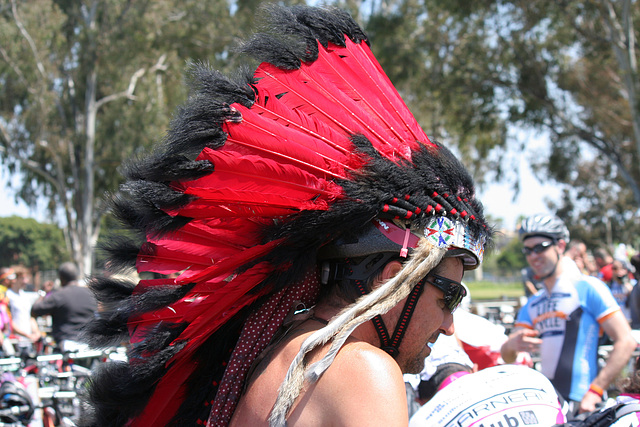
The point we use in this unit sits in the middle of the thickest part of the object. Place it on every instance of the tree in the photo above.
(472, 70)
(434, 53)
(577, 78)
(596, 211)
(86, 84)
(509, 259)
(34, 245)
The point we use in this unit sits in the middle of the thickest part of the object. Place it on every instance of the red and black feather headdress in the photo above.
(255, 177)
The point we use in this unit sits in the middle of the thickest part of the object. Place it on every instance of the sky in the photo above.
(498, 199)
(9, 206)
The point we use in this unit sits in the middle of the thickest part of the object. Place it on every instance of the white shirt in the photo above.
(20, 305)
(506, 395)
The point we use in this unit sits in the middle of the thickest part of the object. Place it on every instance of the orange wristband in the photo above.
(596, 390)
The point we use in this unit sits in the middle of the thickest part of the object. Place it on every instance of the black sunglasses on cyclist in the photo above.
(538, 249)
(453, 291)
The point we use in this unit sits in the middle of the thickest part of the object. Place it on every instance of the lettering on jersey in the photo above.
(500, 402)
(554, 296)
(547, 316)
(527, 418)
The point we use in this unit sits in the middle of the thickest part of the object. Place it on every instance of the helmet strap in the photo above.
(392, 344)
(357, 275)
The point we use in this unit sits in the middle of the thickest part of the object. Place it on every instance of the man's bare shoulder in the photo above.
(364, 384)
(367, 363)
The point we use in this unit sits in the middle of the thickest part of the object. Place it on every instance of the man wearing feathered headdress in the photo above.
(319, 235)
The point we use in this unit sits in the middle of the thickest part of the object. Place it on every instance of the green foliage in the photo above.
(438, 57)
(510, 258)
(470, 70)
(84, 87)
(32, 244)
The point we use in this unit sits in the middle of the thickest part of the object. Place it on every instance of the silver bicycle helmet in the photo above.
(544, 225)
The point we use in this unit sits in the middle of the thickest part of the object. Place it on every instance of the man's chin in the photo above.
(416, 365)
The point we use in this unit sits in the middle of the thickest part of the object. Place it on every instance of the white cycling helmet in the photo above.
(545, 226)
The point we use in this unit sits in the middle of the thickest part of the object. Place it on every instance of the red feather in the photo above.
(255, 173)
(388, 101)
(253, 186)
(270, 106)
(354, 78)
(285, 144)
(205, 316)
(301, 94)
(348, 79)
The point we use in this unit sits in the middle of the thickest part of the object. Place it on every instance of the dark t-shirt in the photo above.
(70, 308)
(634, 307)
(528, 275)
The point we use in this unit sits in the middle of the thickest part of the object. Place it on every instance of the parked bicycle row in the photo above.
(46, 390)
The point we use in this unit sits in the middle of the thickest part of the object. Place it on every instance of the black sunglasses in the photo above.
(538, 249)
(453, 291)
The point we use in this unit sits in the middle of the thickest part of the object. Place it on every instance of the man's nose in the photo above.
(447, 324)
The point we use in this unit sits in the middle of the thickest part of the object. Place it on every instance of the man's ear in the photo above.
(390, 270)
(562, 245)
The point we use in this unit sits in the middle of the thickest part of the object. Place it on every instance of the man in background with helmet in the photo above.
(564, 319)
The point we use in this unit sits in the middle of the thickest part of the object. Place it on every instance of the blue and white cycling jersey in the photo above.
(568, 321)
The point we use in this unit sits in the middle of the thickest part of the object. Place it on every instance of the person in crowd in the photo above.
(6, 346)
(621, 285)
(71, 307)
(634, 296)
(25, 276)
(604, 263)
(6, 275)
(24, 327)
(532, 284)
(504, 395)
(577, 252)
(627, 408)
(635, 263)
(320, 240)
(47, 287)
(562, 323)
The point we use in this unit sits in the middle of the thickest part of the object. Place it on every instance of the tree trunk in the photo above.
(85, 214)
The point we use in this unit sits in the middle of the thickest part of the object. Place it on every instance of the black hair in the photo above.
(602, 253)
(427, 389)
(68, 272)
(631, 384)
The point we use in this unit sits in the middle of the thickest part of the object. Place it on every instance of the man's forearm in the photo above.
(617, 360)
